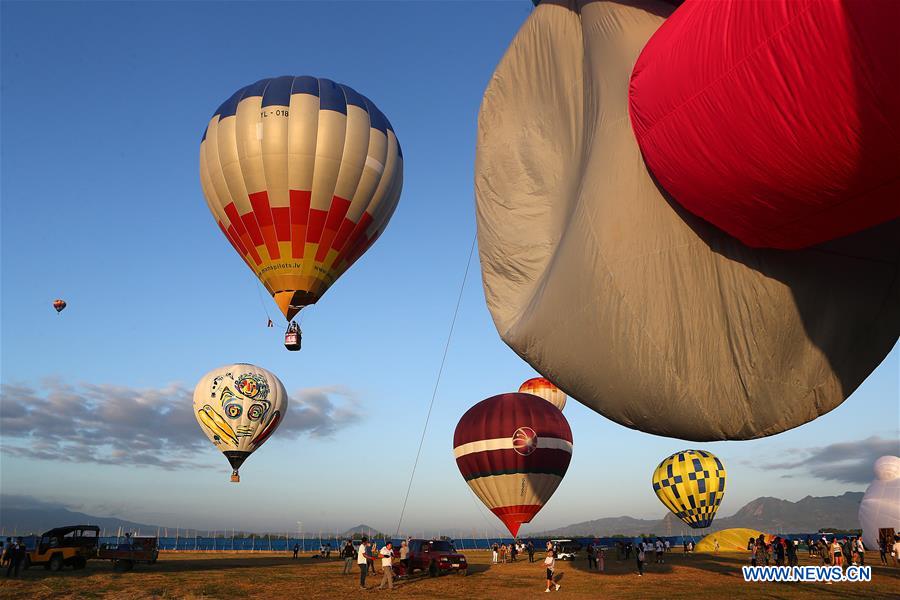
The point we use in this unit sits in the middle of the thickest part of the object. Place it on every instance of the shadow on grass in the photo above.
(420, 576)
(614, 566)
(95, 567)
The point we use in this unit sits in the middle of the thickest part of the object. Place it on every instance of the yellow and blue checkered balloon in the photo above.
(691, 484)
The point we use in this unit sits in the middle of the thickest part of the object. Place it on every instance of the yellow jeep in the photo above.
(65, 546)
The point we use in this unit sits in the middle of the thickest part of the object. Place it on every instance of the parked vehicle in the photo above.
(436, 557)
(135, 550)
(70, 546)
(566, 549)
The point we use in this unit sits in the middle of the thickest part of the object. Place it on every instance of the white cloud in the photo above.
(109, 424)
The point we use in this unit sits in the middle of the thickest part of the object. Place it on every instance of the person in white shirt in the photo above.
(550, 565)
(362, 561)
(404, 556)
(861, 550)
(387, 560)
(895, 551)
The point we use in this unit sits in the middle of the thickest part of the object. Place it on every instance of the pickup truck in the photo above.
(434, 556)
(135, 550)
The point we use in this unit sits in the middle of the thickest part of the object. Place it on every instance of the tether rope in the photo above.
(437, 382)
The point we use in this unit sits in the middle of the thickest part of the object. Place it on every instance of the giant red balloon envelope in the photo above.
(777, 121)
(513, 450)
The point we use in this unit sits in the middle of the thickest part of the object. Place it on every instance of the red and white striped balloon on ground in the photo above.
(544, 388)
(513, 450)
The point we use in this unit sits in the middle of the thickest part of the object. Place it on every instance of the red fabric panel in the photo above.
(263, 213)
(299, 219)
(777, 121)
(514, 516)
(252, 227)
(316, 225)
(354, 238)
(342, 234)
(500, 462)
(242, 233)
(336, 214)
(282, 217)
(500, 416)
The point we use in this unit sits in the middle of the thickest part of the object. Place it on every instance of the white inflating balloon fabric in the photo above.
(880, 506)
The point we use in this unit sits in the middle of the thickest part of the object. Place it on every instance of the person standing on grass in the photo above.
(590, 556)
(371, 560)
(550, 566)
(387, 562)
(861, 550)
(639, 557)
(895, 550)
(882, 550)
(837, 558)
(296, 550)
(659, 550)
(600, 557)
(530, 551)
(18, 557)
(347, 552)
(495, 552)
(404, 556)
(362, 560)
(791, 554)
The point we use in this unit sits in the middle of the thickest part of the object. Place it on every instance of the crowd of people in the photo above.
(12, 556)
(504, 553)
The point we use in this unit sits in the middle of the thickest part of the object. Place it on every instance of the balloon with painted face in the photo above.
(239, 407)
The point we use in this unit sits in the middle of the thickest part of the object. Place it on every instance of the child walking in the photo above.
(550, 564)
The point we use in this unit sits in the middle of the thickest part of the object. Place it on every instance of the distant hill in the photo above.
(26, 516)
(764, 514)
(361, 530)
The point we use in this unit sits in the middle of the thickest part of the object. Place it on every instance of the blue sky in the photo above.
(103, 106)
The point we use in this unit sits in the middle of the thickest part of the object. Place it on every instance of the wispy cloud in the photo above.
(846, 462)
(118, 425)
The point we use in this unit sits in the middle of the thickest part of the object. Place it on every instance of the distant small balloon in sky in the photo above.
(59, 305)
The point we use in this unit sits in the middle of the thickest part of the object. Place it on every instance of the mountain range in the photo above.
(768, 514)
(27, 515)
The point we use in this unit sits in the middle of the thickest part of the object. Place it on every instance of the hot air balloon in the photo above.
(239, 407)
(640, 310)
(544, 388)
(777, 121)
(691, 484)
(880, 506)
(302, 175)
(59, 305)
(513, 451)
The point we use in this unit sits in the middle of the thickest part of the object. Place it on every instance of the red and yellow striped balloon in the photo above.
(513, 450)
(302, 176)
(544, 388)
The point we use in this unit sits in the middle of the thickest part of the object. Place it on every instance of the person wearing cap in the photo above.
(362, 560)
